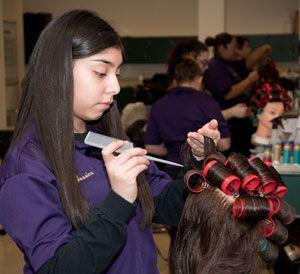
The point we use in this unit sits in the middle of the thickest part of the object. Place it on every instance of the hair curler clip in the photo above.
(196, 182)
(235, 195)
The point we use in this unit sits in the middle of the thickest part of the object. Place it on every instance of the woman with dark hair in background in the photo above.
(70, 207)
(229, 89)
(187, 49)
(246, 59)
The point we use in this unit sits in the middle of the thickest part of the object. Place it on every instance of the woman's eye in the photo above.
(272, 112)
(100, 74)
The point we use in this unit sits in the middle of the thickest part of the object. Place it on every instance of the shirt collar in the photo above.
(183, 89)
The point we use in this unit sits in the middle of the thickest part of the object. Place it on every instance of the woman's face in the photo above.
(228, 52)
(244, 51)
(202, 59)
(271, 110)
(95, 85)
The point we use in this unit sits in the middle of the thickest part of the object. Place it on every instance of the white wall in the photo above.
(132, 17)
(179, 18)
(260, 16)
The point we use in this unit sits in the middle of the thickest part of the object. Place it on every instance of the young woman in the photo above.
(187, 49)
(69, 207)
(229, 89)
(247, 59)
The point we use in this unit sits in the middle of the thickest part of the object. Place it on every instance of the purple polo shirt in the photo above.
(219, 78)
(241, 68)
(182, 110)
(31, 212)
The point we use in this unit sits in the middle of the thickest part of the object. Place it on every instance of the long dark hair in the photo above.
(47, 102)
(223, 38)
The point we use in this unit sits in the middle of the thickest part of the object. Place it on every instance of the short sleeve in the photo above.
(218, 80)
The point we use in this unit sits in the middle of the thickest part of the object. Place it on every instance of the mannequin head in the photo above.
(268, 101)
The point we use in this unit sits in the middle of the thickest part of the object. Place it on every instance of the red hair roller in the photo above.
(238, 207)
(230, 184)
(208, 166)
(267, 187)
(201, 184)
(275, 202)
(250, 182)
(267, 227)
(280, 191)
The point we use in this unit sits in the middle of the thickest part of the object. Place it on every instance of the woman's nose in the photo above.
(113, 86)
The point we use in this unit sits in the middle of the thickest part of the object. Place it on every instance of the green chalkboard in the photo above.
(284, 46)
(149, 49)
(156, 49)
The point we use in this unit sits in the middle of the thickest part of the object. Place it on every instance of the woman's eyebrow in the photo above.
(106, 62)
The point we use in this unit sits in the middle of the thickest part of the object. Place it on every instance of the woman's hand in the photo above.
(123, 169)
(196, 140)
(240, 111)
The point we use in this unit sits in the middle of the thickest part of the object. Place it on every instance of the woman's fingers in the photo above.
(123, 169)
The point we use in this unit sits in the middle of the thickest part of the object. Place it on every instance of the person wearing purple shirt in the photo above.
(185, 108)
(229, 89)
(246, 59)
(69, 207)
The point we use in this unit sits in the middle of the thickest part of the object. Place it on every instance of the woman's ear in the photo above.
(198, 81)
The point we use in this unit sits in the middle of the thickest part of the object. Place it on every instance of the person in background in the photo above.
(229, 89)
(187, 49)
(246, 59)
(198, 51)
(185, 108)
(70, 207)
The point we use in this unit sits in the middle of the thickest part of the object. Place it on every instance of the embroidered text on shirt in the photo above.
(85, 176)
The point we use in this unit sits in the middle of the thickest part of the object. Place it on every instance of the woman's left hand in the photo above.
(196, 140)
